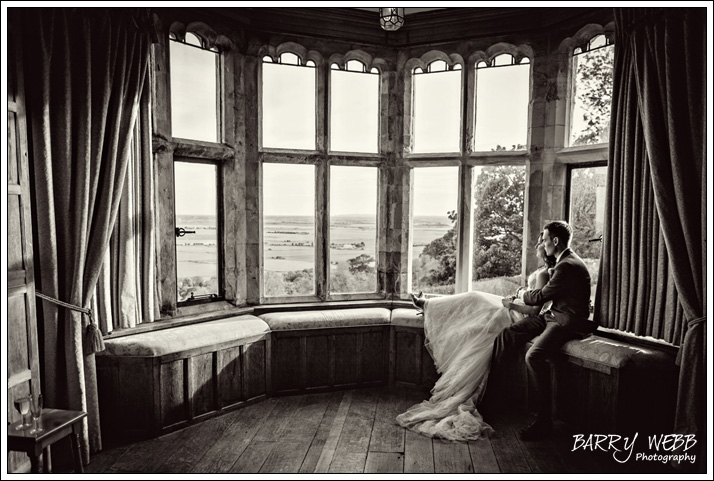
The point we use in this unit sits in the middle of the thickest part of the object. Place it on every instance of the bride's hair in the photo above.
(549, 260)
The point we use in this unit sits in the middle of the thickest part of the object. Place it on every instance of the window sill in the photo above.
(202, 150)
(279, 151)
(355, 155)
(424, 158)
(644, 341)
(583, 153)
(316, 306)
(501, 157)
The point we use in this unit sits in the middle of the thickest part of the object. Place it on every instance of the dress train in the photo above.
(459, 332)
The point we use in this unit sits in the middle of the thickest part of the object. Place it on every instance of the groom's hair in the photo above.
(561, 230)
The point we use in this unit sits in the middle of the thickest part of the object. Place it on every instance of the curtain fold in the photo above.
(83, 88)
(635, 292)
(125, 293)
(670, 70)
(657, 154)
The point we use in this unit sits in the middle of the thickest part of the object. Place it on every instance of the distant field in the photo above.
(289, 241)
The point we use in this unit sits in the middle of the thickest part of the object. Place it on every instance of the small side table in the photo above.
(56, 424)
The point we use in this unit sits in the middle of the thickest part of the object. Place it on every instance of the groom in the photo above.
(566, 319)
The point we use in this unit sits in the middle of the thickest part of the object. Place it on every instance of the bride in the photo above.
(459, 332)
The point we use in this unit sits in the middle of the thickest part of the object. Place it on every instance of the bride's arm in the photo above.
(522, 308)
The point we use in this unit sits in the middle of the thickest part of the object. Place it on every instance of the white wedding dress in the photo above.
(459, 332)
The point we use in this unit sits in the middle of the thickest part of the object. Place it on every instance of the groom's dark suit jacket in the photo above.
(569, 289)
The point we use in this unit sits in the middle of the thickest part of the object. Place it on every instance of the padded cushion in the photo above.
(616, 354)
(176, 339)
(280, 321)
(407, 317)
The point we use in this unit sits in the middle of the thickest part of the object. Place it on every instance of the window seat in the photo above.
(318, 319)
(319, 350)
(407, 318)
(159, 381)
(613, 386)
(186, 338)
(605, 354)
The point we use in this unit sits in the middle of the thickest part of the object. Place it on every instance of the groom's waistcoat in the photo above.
(569, 289)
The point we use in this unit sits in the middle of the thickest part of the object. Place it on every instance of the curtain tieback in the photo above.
(93, 340)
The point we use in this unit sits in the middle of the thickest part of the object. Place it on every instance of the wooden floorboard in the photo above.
(507, 448)
(104, 460)
(348, 462)
(286, 457)
(387, 435)
(328, 433)
(450, 457)
(389, 463)
(274, 426)
(253, 458)
(348, 432)
(482, 456)
(351, 452)
(142, 456)
(227, 448)
(418, 453)
(192, 444)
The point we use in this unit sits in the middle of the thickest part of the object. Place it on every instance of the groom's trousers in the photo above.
(551, 336)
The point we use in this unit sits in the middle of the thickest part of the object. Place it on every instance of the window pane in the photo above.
(289, 58)
(353, 229)
(502, 97)
(194, 113)
(433, 229)
(498, 228)
(354, 111)
(288, 229)
(288, 106)
(503, 59)
(437, 112)
(587, 213)
(592, 96)
(196, 210)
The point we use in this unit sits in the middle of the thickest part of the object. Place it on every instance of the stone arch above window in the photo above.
(357, 55)
(453, 61)
(210, 39)
(309, 58)
(582, 38)
(519, 53)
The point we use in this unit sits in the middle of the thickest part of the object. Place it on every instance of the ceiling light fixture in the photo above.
(391, 19)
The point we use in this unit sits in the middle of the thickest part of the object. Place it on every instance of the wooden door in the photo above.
(23, 367)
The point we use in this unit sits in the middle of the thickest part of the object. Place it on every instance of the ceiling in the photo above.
(423, 26)
(407, 10)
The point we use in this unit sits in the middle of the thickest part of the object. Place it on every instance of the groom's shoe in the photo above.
(537, 430)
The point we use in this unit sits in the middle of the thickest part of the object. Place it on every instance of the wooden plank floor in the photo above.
(347, 432)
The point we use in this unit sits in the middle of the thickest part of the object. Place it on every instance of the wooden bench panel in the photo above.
(323, 359)
(411, 363)
(146, 396)
(230, 376)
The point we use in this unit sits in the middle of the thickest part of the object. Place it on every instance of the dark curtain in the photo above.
(85, 74)
(653, 277)
(125, 294)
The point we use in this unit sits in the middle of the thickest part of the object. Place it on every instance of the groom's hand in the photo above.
(506, 301)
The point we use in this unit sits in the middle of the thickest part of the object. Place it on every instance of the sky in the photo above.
(288, 112)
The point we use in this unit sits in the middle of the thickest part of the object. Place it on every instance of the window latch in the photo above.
(180, 232)
(596, 239)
